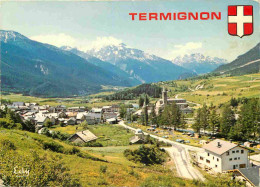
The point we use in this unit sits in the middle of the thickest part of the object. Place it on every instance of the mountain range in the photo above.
(199, 63)
(247, 63)
(38, 69)
(140, 66)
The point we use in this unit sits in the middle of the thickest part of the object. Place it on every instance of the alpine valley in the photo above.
(39, 69)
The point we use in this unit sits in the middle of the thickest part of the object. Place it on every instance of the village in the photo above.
(212, 155)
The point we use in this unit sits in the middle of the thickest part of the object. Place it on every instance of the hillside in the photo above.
(244, 64)
(151, 90)
(38, 69)
(216, 90)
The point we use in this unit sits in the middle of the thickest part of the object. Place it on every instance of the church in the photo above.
(161, 103)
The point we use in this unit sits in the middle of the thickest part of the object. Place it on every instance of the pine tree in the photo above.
(204, 117)
(227, 121)
(183, 123)
(249, 119)
(153, 116)
(214, 121)
(197, 125)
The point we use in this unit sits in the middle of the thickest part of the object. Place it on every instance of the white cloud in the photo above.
(180, 50)
(62, 39)
(56, 39)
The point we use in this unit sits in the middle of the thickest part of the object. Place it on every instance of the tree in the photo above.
(249, 119)
(204, 117)
(227, 121)
(29, 126)
(153, 117)
(141, 102)
(84, 124)
(145, 110)
(214, 122)
(122, 111)
(171, 116)
(233, 102)
(183, 123)
(47, 123)
(197, 125)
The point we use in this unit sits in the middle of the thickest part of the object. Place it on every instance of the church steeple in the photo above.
(164, 96)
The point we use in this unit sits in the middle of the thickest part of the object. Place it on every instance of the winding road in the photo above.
(180, 154)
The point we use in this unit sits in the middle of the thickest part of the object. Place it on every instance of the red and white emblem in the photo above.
(240, 20)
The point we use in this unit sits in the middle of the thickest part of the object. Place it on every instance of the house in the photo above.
(111, 121)
(83, 137)
(70, 121)
(113, 108)
(18, 104)
(76, 109)
(220, 155)
(41, 119)
(62, 114)
(107, 109)
(60, 108)
(108, 115)
(71, 114)
(138, 138)
(81, 116)
(97, 110)
(93, 118)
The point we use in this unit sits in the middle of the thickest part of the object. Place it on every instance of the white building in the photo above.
(222, 155)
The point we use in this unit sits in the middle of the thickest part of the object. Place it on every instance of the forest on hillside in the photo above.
(151, 90)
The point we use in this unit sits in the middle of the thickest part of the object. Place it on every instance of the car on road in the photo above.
(180, 140)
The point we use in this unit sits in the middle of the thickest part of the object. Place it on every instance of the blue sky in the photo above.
(94, 24)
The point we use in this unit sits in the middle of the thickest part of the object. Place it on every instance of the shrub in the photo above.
(146, 155)
(103, 169)
(74, 151)
(8, 144)
(53, 146)
(93, 144)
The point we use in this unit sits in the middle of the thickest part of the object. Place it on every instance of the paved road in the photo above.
(180, 154)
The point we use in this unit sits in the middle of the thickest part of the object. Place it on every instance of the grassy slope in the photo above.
(120, 172)
(108, 135)
(237, 86)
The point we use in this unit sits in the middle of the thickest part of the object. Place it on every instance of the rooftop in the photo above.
(219, 146)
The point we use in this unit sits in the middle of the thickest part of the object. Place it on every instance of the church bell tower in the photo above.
(164, 96)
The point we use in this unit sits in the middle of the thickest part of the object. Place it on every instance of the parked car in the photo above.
(180, 140)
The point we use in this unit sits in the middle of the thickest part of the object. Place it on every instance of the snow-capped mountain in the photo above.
(103, 64)
(8, 36)
(199, 63)
(140, 65)
(112, 53)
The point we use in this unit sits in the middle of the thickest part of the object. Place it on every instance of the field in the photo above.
(215, 90)
(108, 135)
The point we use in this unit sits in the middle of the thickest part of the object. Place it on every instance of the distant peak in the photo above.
(8, 35)
(67, 48)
